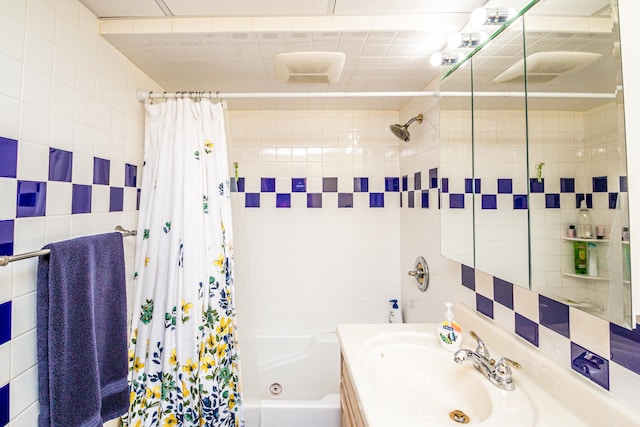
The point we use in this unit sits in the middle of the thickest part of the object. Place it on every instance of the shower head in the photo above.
(402, 131)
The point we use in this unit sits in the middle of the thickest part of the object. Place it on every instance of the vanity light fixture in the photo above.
(466, 40)
(445, 58)
(491, 15)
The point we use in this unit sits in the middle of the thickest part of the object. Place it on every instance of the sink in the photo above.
(405, 378)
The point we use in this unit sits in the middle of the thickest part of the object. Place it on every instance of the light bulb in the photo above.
(436, 59)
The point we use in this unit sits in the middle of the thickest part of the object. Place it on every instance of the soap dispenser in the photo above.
(449, 332)
(395, 315)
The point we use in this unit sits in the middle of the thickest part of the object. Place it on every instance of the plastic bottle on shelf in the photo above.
(580, 257)
(584, 228)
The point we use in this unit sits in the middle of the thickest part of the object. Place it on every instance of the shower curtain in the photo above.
(183, 353)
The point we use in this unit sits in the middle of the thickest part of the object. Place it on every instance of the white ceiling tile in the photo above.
(240, 7)
(123, 8)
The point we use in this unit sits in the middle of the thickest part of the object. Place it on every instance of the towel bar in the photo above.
(6, 259)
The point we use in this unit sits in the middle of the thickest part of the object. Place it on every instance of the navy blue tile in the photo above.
(314, 200)
(535, 186)
(330, 185)
(412, 199)
(345, 200)
(567, 185)
(131, 175)
(5, 322)
(60, 163)
(81, 199)
(613, 200)
(376, 200)
(484, 305)
(581, 196)
(591, 365)
(32, 199)
(425, 199)
(9, 157)
(554, 315)
(624, 186)
(4, 405)
(456, 201)
(552, 201)
(468, 277)
(503, 292)
(391, 184)
(283, 200)
(417, 181)
(267, 185)
(138, 199)
(433, 178)
(477, 186)
(116, 199)
(101, 168)
(360, 185)
(6, 237)
(252, 200)
(625, 347)
(520, 201)
(405, 183)
(505, 186)
(599, 184)
(489, 201)
(468, 185)
(299, 185)
(527, 329)
(237, 185)
(444, 183)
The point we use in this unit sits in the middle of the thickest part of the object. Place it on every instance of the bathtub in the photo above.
(298, 382)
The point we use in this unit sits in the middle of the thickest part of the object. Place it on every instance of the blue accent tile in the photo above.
(484, 305)
(503, 292)
(376, 200)
(391, 184)
(116, 199)
(360, 185)
(433, 178)
(417, 181)
(591, 365)
(81, 199)
(477, 186)
(468, 277)
(251, 200)
(237, 186)
(505, 186)
(405, 183)
(314, 200)
(554, 315)
(425, 199)
(527, 329)
(613, 200)
(9, 157)
(6, 237)
(138, 199)
(330, 185)
(412, 199)
(4, 405)
(5, 322)
(444, 184)
(567, 185)
(489, 201)
(101, 168)
(581, 196)
(468, 185)
(456, 201)
(520, 201)
(283, 200)
(32, 199)
(267, 185)
(552, 201)
(345, 200)
(624, 186)
(130, 175)
(60, 163)
(535, 186)
(599, 184)
(299, 185)
(625, 347)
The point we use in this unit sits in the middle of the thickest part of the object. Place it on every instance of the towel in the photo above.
(82, 332)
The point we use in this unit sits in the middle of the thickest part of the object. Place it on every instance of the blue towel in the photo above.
(82, 332)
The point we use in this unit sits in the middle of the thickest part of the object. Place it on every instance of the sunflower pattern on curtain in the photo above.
(183, 354)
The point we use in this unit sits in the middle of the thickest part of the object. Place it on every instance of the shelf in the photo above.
(565, 273)
(575, 239)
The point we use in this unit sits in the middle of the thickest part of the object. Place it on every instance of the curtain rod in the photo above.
(6, 259)
(143, 95)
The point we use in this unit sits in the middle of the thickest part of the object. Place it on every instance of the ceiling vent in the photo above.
(309, 67)
(543, 67)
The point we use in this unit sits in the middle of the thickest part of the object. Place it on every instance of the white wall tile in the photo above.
(555, 345)
(23, 314)
(82, 169)
(59, 198)
(24, 391)
(624, 384)
(589, 332)
(23, 352)
(5, 363)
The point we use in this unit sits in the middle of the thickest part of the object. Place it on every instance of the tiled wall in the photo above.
(71, 134)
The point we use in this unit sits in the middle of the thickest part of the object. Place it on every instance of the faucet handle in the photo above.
(503, 367)
(482, 349)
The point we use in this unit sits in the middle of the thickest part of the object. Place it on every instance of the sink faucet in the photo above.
(500, 375)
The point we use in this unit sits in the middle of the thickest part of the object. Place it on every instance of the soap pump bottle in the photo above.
(583, 221)
(449, 332)
(395, 315)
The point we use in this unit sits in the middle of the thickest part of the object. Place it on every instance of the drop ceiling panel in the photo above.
(247, 7)
(397, 7)
(123, 8)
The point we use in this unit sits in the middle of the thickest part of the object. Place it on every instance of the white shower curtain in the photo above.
(183, 355)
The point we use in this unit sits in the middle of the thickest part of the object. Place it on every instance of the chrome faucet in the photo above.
(500, 375)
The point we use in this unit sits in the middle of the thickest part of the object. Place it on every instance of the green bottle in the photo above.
(580, 254)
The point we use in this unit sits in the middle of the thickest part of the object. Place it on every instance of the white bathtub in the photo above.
(305, 370)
